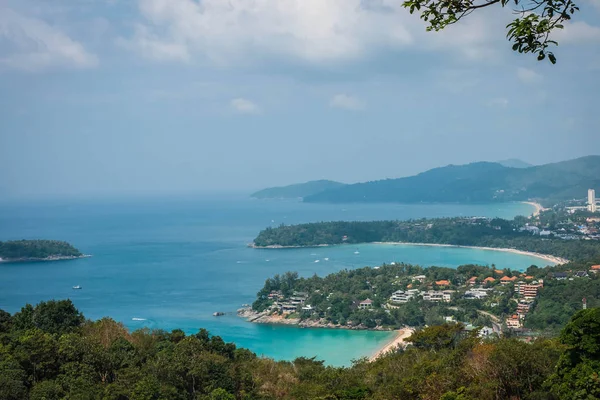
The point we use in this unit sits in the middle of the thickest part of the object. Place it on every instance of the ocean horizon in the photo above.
(171, 263)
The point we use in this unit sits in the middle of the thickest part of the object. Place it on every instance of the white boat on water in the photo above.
(77, 287)
(357, 252)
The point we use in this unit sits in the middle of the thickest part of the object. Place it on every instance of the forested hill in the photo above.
(476, 182)
(497, 233)
(34, 250)
(514, 163)
(299, 190)
(51, 352)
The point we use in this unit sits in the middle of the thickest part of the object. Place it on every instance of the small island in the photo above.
(37, 250)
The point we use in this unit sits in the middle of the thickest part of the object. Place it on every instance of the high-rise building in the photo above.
(591, 200)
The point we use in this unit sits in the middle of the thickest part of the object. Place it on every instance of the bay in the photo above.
(171, 262)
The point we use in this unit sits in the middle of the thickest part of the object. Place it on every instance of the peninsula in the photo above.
(400, 296)
(556, 234)
(299, 190)
(37, 250)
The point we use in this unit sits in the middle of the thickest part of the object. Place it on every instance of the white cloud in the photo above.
(578, 32)
(244, 106)
(346, 102)
(527, 75)
(311, 31)
(498, 102)
(30, 44)
(152, 46)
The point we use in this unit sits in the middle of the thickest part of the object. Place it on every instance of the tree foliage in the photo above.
(18, 250)
(530, 32)
(498, 233)
(102, 360)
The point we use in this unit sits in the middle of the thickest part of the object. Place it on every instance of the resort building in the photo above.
(363, 305)
(472, 281)
(513, 322)
(528, 291)
(489, 280)
(476, 294)
(401, 296)
(506, 280)
(523, 307)
(275, 294)
(443, 283)
(287, 308)
(438, 295)
(560, 276)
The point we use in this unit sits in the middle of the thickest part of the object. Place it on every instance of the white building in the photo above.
(476, 294)
(400, 296)
(591, 200)
(438, 295)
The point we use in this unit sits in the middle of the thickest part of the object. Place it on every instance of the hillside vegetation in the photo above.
(498, 233)
(299, 190)
(18, 250)
(476, 182)
(51, 352)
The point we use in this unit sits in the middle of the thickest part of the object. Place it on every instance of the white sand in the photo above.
(554, 259)
(394, 343)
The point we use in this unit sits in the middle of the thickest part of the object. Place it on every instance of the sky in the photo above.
(136, 97)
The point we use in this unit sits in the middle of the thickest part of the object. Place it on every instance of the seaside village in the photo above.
(520, 289)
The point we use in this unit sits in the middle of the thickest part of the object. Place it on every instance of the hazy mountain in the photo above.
(297, 190)
(514, 163)
(476, 182)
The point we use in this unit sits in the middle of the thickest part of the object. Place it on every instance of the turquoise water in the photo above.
(171, 263)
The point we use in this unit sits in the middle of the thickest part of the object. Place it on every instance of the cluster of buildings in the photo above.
(291, 304)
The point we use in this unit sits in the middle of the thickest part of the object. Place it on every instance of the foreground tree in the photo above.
(577, 372)
(529, 33)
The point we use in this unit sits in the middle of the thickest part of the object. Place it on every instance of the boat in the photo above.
(357, 252)
(218, 314)
(317, 261)
(77, 287)
(326, 258)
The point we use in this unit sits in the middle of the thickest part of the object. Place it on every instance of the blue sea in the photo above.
(170, 263)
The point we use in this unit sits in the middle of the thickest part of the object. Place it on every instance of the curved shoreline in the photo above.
(398, 340)
(538, 207)
(546, 257)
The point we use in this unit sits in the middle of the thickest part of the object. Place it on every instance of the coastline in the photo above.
(547, 257)
(401, 336)
(538, 207)
(45, 259)
(265, 318)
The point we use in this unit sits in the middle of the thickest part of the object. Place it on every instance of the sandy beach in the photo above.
(397, 341)
(547, 257)
(538, 207)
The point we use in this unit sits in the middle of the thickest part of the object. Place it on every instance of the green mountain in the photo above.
(476, 182)
(514, 163)
(299, 190)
